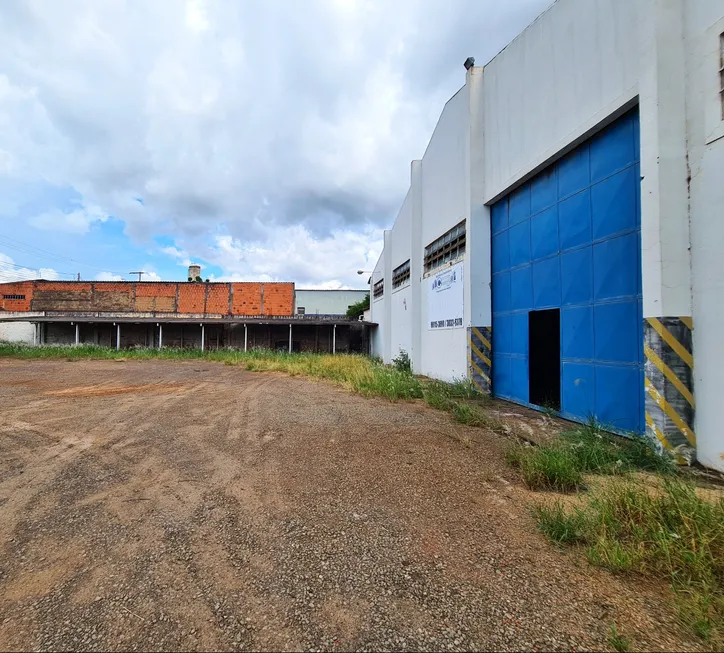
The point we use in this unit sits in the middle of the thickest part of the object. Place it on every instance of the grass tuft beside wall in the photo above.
(362, 374)
(559, 465)
(665, 531)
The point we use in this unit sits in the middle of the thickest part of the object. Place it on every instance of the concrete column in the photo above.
(246, 338)
(478, 309)
(35, 333)
(703, 26)
(77, 333)
(387, 297)
(118, 336)
(416, 267)
(160, 336)
(203, 332)
(334, 338)
(665, 259)
(665, 235)
(477, 268)
(290, 338)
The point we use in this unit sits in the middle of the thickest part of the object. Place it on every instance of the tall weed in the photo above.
(666, 532)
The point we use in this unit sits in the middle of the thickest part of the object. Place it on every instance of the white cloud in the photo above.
(181, 256)
(196, 17)
(294, 254)
(232, 119)
(150, 274)
(10, 271)
(107, 276)
(76, 222)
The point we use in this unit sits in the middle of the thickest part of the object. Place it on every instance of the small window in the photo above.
(450, 246)
(300, 310)
(14, 297)
(401, 274)
(378, 289)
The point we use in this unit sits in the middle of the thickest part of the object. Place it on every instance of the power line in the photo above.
(12, 269)
(44, 253)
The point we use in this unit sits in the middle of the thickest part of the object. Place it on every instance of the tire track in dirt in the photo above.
(247, 511)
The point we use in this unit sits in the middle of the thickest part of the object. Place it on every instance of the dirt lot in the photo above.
(155, 505)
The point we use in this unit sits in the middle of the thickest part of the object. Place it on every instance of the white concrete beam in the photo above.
(665, 240)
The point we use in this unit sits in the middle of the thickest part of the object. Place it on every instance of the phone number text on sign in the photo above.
(445, 298)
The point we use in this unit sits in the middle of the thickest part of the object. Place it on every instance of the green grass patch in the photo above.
(462, 400)
(560, 464)
(362, 374)
(550, 468)
(666, 532)
(617, 641)
(599, 452)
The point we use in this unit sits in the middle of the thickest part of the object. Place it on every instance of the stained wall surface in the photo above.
(240, 299)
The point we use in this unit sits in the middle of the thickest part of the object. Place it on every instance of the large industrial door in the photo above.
(569, 239)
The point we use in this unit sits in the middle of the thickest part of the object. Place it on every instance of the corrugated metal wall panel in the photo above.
(570, 239)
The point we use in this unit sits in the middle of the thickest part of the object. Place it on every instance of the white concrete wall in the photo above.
(327, 302)
(378, 314)
(400, 301)
(17, 332)
(445, 202)
(578, 67)
(703, 22)
(575, 69)
(478, 304)
(401, 323)
(445, 170)
(568, 71)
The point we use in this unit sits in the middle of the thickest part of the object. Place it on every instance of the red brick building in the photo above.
(179, 314)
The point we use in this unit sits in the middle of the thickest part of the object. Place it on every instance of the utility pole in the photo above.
(79, 276)
(140, 274)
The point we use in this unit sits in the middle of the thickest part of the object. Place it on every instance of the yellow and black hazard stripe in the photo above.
(669, 383)
(479, 357)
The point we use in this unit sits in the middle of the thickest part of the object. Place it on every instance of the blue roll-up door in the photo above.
(570, 239)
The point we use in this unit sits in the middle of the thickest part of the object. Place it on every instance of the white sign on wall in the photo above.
(445, 298)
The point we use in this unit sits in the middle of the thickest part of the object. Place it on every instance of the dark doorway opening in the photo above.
(544, 358)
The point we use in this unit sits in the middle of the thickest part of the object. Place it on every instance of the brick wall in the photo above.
(217, 298)
(24, 289)
(156, 297)
(62, 296)
(278, 298)
(246, 299)
(113, 297)
(191, 297)
(237, 299)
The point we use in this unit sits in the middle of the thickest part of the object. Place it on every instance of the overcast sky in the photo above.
(265, 140)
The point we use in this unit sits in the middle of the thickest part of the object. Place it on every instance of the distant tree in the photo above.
(354, 311)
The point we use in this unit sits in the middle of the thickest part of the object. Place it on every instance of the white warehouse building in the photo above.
(561, 240)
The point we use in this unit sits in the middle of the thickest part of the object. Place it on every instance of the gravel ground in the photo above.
(154, 505)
